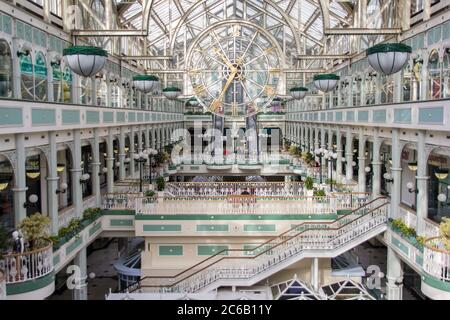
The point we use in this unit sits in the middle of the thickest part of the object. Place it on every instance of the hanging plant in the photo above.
(145, 82)
(171, 92)
(326, 82)
(298, 93)
(388, 58)
(85, 61)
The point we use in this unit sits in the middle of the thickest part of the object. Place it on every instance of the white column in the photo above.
(76, 174)
(361, 162)
(132, 152)
(96, 167)
(122, 153)
(376, 165)
(315, 273)
(349, 155)
(52, 183)
(17, 89)
(422, 184)
(394, 285)
(80, 290)
(20, 188)
(339, 154)
(396, 173)
(110, 162)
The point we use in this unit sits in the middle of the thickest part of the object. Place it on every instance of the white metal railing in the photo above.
(120, 201)
(235, 188)
(20, 267)
(250, 204)
(66, 215)
(409, 217)
(2, 286)
(237, 264)
(436, 259)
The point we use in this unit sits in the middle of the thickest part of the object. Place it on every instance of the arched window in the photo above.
(26, 76)
(40, 77)
(57, 82)
(5, 70)
(67, 85)
(435, 75)
(446, 74)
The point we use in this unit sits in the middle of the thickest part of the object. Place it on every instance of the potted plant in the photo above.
(309, 185)
(160, 186)
(5, 241)
(444, 230)
(35, 230)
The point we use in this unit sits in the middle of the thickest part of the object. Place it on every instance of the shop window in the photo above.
(5, 70)
(67, 85)
(40, 77)
(6, 195)
(435, 75)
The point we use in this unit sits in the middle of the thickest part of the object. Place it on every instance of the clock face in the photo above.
(234, 70)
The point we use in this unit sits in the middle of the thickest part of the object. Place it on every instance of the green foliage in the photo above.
(160, 183)
(330, 181)
(407, 232)
(35, 230)
(149, 193)
(91, 214)
(444, 230)
(319, 193)
(5, 240)
(309, 183)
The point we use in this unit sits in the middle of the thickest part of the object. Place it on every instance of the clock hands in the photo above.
(216, 103)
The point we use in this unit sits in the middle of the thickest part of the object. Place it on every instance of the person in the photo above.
(18, 243)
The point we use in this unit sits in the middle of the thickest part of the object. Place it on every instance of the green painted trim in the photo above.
(400, 245)
(161, 227)
(251, 252)
(435, 283)
(131, 116)
(121, 222)
(30, 285)
(56, 259)
(389, 47)
(165, 250)
(219, 217)
(43, 117)
(299, 89)
(171, 89)
(379, 116)
(260, 227)
(94, 229)
(344, 211)
(85, 50)
(120, 116)
(108, 116)
(11, 116)
(70, 116)
(431, 115)
(145, 77)
(74, 245)
(402, 115)
(209, 250)
(92, 117)
(118, 212)
(212, 228)
(326, 76)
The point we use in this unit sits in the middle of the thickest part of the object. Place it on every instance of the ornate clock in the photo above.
(234, 69)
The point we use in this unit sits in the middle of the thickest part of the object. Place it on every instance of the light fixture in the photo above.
(126, 149)
(388, 58)
(117, 164)
(62, 189)
(33, 173)
(442, 197)
(388, 177)
(326, 82)
(145, 82)
(367, 169)
(353, 164)
(3, 184)
(298, 93)
(441, 173)
(85, 61)
(390, 161)
(410, 187)
(60, 167)
(84, 178)
(412, 166)
(32, 200)
(171, 92)
(127, 160)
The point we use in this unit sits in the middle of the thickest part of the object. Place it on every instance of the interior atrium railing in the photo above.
(20, 267)
(436, 259)
(243, 264)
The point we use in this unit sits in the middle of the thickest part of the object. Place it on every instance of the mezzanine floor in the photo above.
(100, 262)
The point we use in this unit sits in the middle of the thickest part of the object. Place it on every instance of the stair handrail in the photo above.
(221, 253)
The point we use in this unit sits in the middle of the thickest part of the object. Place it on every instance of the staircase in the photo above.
(237, 267)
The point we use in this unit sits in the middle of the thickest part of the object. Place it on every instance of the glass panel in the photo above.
(5, 70)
